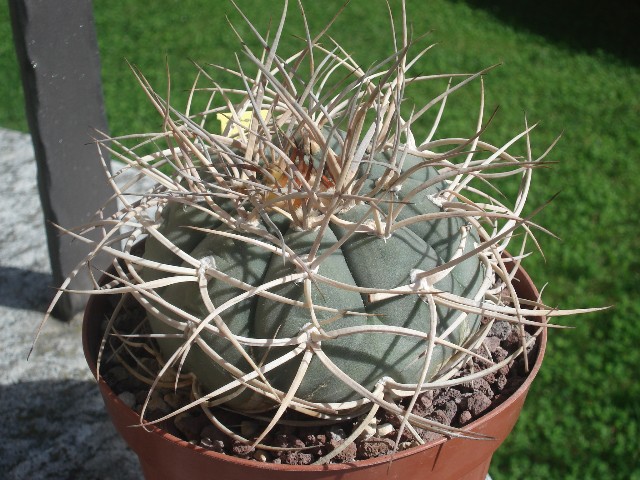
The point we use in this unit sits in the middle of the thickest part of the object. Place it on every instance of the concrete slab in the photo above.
(53, 421)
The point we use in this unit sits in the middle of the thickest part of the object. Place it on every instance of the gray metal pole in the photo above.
(58, 54)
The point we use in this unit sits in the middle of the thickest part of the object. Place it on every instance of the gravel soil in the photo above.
(295, 445)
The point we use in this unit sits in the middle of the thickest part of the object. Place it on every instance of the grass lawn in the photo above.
(582, 418)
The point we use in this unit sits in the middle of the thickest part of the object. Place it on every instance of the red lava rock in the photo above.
(491, 343)
(422, 407)
(500, 330)
(242, 450)
(532, 345)
(482, 385)
(345, 456)
(491, 378)
(406, 436)
(478, 403)
(441, 416)
(499, 354)
(427, 435)
(388, 417)
(465, 417)
(318, 441)
(512, 340)
(297, 458)
(374, 447)
(447, 395)
(286, 440)
(449, 410)
(501, 382)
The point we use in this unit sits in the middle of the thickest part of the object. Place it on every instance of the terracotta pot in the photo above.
(164, 456)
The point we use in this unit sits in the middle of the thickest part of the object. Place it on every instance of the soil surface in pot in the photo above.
(128, 364)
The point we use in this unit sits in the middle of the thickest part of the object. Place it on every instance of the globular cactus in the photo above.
(314, 255)
(341, 273)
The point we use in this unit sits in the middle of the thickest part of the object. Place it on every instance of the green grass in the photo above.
(12, 106)
(582, 418)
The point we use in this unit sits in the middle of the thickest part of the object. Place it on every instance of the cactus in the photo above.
(314, 255)
(345, 266)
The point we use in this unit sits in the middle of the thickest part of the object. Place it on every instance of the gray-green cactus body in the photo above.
(364, 260)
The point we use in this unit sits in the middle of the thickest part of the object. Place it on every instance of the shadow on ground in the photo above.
(583, 25)
(25, 289)
(58, 429)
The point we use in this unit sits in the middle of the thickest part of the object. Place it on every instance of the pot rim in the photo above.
(524, 282)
